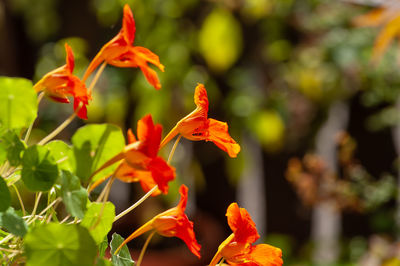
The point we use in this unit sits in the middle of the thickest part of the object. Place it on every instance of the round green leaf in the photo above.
(39, 169)
(5, 197)
(18, 108)
(14, 147)
(123, 257)
(73, 194)
(220, 40)
(60, 245)
(93, 146)
(99, 220)
(62, 154)
(13, 223)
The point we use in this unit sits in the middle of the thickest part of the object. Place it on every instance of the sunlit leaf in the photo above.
(62, 154)
(13, 146)
(93, 146)
(39, 169)
(220, 40)
(59, 245)
(99, 219)
(123, 257)
(18, 107)
(74, 196)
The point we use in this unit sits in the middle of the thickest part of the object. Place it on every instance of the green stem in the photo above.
(28, 132)
(137, 203)
(172, 152)
(20, 199)
(57, 130)
(57, 200)
(97, 76)
(65, 219)
(107, 190)
(139, 261)
(37, 199)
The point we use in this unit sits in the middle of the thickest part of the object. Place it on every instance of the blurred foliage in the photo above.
(350, 188)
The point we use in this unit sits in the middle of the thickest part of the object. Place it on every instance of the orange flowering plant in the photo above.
(388, 18)
(238, 248)
(71, 215)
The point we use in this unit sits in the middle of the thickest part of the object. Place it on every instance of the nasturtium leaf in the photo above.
(123, 257)
(13, 223)
(59, 245)
(93, 146)
(13, 146)
(99, 219)
(5, 196)
(62, 154)
(103, 246)
(39, 169)
(220, 40)
(73, 194)
(18, 108)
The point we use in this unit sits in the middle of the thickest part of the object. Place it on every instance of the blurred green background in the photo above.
(279, 72)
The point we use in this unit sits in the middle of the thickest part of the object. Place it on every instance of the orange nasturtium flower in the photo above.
(196, 126)
(388, 17)
(61, 83)
(139, 160)
(238, 248)
(172, 222)
(120, 52)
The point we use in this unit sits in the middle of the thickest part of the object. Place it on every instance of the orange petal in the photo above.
(80, 108)
(70, 58)
(126, 173)
(201, 99)
(242, 225)
(59, 98)
(374, 18)
(128, 25)
(267, 255)
(144, 56)
(131, 136)
(184, 231)
(151, 76)
(150, 136)
(161, 172)
(174, 222)
(147, 182)
(183, 191)
(218, 134)
(385, 37)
